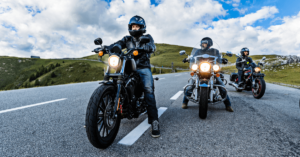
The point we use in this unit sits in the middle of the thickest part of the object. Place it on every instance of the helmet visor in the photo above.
(204, 42)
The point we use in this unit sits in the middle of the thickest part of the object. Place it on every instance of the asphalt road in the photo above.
(269, 126)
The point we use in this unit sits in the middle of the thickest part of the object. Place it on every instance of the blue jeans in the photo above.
(189, 91)
(240, 74)
(149, 97)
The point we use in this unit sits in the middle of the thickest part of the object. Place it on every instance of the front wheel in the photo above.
(259, 91)
(102, 125)
(203, 104)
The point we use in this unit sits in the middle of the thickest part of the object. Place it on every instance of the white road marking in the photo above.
(161, 78)
(23, 107)
(176, 95)
(136, 133)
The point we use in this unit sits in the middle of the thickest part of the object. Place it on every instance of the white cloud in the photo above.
(235, 3)
(67, 28)
(241, 11)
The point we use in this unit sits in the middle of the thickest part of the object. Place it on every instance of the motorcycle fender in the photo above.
(106, 83)
(204, 85)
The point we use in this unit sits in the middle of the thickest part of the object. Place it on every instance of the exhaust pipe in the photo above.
(235, 85)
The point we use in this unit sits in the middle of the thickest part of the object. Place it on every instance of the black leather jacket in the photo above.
(241, 66)
(143, 59)
(211, 51)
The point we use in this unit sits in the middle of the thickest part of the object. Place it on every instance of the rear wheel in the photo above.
(259, 91)
(203, 104)
(102, 125)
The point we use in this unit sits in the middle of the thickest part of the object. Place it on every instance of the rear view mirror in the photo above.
(264, 58)
(182, 52)
(98, 41)
(229, 54)
(144, 39)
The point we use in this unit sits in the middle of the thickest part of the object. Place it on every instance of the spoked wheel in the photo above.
(203, 104)
(260, 87)
(102, 125)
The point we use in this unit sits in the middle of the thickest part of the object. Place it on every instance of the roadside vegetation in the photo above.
(19, 73)
(16, 73)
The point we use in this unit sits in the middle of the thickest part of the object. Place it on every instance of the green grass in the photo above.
(15, 74)
(288, 75)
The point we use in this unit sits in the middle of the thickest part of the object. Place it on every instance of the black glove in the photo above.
(184, 60)
(96, 50)
(117, 48)
(147, 47)
(224, 60)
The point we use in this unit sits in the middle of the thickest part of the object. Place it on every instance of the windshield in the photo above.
(197, 55)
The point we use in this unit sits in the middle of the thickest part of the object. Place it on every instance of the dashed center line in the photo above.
(176, 95)
(136, 133)
(23, 107)
(161, 78)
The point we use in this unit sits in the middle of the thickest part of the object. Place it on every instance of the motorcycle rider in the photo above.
(137, 28)
(240, 66)
(206, 43)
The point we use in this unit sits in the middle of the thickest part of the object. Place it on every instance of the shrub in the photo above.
(37, 75)
(154, 70)
(26, 85)
(53, 75)
(37, 82)
(32, 77)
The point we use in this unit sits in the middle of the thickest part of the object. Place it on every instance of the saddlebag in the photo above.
(233, 76)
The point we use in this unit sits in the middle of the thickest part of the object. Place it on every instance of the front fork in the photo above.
(211, 89)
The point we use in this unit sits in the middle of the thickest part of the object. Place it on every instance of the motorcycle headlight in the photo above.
(257, 69)
(216, 68)
(205, 67)
(194, 67)
(113, 61)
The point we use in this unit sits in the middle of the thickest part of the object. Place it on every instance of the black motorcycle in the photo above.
(115, 99)
(253, 79)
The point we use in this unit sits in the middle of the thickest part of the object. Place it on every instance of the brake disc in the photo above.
(109, 117)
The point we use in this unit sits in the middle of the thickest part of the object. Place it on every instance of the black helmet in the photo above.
(137, 20)
(243, 50)
(208, 41)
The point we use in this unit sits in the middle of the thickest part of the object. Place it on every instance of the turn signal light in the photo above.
(192, 73)
(135, 52)
(218, 75)
(101, 53)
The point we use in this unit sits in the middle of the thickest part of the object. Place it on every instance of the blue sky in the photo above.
(285, 7)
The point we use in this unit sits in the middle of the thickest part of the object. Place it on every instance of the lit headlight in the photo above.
(113, 61)
(194, 67)
(205, 67)
(257, 69)
(216, 68)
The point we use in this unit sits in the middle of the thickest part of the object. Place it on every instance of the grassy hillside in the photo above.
(16, 72)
